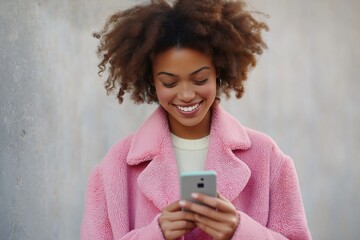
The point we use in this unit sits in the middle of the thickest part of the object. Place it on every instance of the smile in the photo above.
(189, 108)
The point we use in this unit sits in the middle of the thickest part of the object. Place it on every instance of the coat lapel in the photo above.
(226, 136)
(159, 181)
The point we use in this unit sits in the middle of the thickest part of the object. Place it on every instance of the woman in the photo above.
(183, 57)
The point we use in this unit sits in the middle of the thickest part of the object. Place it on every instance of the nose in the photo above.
(186, 92)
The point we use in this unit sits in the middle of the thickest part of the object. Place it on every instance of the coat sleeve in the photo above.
(96, 224)
(287, 218)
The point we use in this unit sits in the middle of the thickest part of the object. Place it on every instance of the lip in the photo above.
(191, 112)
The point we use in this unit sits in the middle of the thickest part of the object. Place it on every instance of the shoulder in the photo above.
(234, 133)
(260, 139)
(264, 142)
(113, 160)
(140, 145)
(265, 146)
(117, 154)
(113, 168)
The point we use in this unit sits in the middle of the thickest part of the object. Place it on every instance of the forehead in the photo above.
(180, 60)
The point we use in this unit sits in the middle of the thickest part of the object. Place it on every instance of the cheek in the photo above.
(209, 91)
(164, 95)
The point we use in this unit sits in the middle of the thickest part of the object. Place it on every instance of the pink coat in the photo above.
(139, 177)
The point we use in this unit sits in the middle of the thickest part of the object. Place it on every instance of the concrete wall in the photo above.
(56, 122)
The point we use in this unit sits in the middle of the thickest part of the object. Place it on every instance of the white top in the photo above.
(190, 153)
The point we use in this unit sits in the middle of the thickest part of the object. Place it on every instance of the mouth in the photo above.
(188, 109)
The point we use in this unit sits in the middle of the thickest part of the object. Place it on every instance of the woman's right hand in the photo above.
(174, 222)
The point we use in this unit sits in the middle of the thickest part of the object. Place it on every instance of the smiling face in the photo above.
(185, 83)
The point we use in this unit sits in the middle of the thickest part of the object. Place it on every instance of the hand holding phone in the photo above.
(222, 211)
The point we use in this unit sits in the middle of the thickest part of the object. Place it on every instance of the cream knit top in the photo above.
(190, 153)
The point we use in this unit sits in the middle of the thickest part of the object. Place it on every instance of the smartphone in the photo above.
(200, 182)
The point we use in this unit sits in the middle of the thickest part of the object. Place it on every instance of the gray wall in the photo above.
(56, 122)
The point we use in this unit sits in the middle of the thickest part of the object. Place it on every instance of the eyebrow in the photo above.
(193, 73)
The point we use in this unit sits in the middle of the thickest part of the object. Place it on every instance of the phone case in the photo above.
(200, 182)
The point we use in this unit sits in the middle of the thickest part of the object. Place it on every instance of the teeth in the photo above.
(188, 109)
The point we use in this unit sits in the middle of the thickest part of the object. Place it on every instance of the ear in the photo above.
(151, 76)
(151, 81)
(217, 70)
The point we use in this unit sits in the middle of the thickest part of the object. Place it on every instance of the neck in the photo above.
(198, 131)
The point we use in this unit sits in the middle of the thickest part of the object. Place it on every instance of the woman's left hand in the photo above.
(219, 218)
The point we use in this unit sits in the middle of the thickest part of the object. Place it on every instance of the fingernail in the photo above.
(194, 195)
(182, 203)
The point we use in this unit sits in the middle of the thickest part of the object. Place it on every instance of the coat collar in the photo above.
(159, 181)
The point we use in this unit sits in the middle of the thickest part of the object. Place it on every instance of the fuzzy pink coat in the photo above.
(139, 177)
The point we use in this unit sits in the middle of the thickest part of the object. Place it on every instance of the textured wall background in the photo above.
(56, 122)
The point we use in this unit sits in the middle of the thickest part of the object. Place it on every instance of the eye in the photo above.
(169, 85)
(201, 82)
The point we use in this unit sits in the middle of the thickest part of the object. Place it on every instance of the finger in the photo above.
(174, 234)
(217, 203)
(227, 224)
(172, 207)
(217, 216)
(177, 216)
(178, 225)
(202, 210)
(219, 195)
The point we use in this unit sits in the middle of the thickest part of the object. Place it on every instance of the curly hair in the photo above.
(224, 30)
